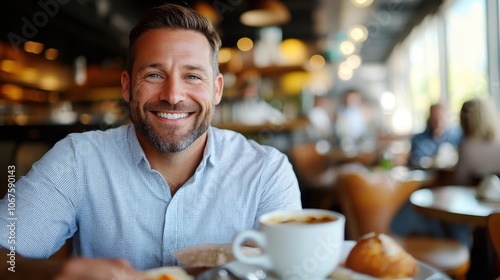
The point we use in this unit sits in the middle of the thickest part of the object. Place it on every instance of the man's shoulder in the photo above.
(235, 142)
(99, 138)
(107, 133)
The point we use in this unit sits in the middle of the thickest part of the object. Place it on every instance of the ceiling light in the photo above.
(266, 13)
(207, 10)
(345, 72)
(225, 55)
(347, 48)
(354, 61)
(362, 3)
(294, 51)
(358, 33)
(317, 62)
(244, 44)
(51, 54)
(33, 47)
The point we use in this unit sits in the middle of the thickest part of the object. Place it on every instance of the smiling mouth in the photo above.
(169, 116)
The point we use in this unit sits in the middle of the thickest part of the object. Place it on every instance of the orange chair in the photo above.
(494, 234)
(371, 200)
(316, 178)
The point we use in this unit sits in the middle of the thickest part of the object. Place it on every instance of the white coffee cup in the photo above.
(298, 249)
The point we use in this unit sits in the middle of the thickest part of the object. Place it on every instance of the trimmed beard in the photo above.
(164, 144)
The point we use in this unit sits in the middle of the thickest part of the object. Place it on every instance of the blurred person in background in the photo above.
(479, 152)
(355, 120)
(425, 148)
(252, 109)
(321, 119)
(437, 135)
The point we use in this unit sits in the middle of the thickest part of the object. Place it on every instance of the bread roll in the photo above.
(380, 256)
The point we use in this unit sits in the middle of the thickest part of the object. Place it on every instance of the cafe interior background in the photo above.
(60, 66)
(61, 61)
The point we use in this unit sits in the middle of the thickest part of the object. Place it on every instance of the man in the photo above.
(424, 148)
(425, 145)
(138, 193)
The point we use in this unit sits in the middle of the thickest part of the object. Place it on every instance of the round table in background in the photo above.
(460, 205)
(454, 204)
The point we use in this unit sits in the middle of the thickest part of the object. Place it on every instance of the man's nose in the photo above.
(172, 92)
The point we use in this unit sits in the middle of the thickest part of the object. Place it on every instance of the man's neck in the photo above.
(176, 168)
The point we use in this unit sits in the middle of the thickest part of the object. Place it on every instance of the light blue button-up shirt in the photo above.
(99, 187)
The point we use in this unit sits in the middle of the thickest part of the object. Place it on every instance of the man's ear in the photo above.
(125, 86)
(218, 88)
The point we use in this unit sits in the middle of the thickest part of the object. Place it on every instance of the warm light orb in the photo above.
(317, 62)
(244, 44)
(225, 55)
(362, 3)
(294, 51)
(12, 92)
(345, 72)
(29, 74)
(358, 33)
(33, 47)
(51, 54)
(266, 13)
(49, 82)
(347, 48)
(354, 61)
(292, 83)
(9, 66)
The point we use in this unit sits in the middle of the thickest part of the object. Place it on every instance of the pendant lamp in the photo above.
(266, 13)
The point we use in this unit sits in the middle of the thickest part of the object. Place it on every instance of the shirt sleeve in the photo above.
(417, 151)
(43, 215)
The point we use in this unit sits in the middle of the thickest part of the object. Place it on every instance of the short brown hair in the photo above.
(175, 17)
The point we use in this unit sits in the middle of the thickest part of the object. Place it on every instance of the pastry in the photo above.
(378, 255)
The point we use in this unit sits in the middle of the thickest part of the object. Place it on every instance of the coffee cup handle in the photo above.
(260, 260)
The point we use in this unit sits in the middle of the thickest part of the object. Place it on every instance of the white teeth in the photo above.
(172, 116)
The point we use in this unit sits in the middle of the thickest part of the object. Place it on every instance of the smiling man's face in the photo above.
(172, 91)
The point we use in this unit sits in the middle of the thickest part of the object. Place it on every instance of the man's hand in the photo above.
(98, 269)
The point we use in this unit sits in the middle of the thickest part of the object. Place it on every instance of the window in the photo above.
(425, 87)
(466, 51)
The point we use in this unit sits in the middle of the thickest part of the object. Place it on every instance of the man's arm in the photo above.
(19, 268)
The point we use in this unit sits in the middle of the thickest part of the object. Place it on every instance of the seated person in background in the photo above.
(321, 119)
(252, 109)
(426, 145)
(479, 152)
(355, 120)
(134, 195)
(351, 117)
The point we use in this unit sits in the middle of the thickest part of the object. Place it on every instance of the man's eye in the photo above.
(193, 77)
(153, 75)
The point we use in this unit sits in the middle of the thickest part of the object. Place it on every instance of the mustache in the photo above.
(165, 106)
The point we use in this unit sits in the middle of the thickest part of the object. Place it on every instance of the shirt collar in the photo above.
(210, 147)
(138, 153)
(135, 147)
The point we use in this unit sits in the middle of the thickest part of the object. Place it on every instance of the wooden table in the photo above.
(459, 204)
(454, 204)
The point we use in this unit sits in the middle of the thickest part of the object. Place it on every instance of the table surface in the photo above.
(455, 204)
